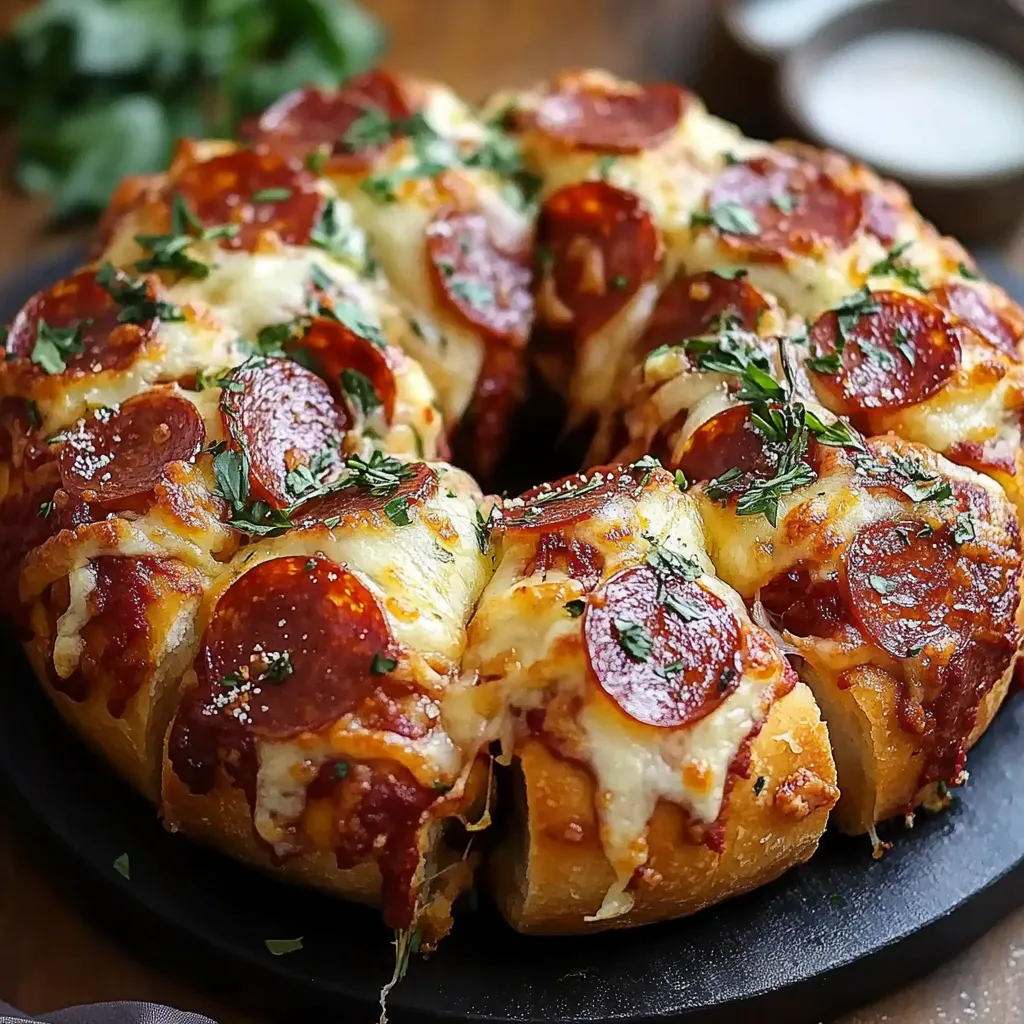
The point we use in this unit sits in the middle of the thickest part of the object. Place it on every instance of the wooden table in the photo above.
(49, 955)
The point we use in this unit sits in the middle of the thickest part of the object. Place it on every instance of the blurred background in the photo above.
(931, 91)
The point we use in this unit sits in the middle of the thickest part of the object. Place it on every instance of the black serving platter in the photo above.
(831, 935)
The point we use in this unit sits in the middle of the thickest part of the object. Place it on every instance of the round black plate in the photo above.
(834, 934)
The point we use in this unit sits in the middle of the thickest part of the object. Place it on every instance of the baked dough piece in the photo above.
(309, 738)
(629, 683)
(437, 191)
(894, 577)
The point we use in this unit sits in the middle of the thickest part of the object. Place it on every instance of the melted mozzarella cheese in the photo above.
(527, 652)
(68, 644)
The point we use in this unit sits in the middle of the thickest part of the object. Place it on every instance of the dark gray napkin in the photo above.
(107, 1013)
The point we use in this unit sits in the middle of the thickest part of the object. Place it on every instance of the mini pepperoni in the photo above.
(289, 648)
(318, 119)
(101, 342)
(483, 280)
(337, 351)
(693, 306)
(121, 452)
(631, 119)
(898, 352)
(1004, 330)
(261, 193)
(729, 441)
(771, 208)
(389, 489)
(284, 418)
(600, 245)
(573, 498)
(664, 649)
(904, 581)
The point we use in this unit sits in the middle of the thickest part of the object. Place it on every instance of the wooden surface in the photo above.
(49, 955)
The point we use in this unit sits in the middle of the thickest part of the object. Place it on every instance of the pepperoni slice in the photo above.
(79, 301)
(693, 306)
(903, 587)
(661, 667)
(482, 436)
(483, 279)
(284, 418)
(601, 244)
(388, 488)
(260, 192)
(317, 119)
(336, 351)
(1003, 330)
(573, 498)
(898, 352)
(768, 208)
(121, 452)
(628, 120)
(289, 648)
(729, 441)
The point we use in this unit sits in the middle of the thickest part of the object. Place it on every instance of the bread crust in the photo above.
(553, 874)
(877, 759)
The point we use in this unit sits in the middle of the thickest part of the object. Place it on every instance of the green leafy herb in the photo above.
(360, 390)
(279, 947)
(397, 510)
(576, 608)
(633, 638)
(45, 510)
(604, 164)
(850, 312)
(829, 365)
(483, 532)
(901, 342)
(476, 293)
(132, 295)
(168, 252)
(881, 585)
(688, 611)
(381, 664)
(271, 195)
(730, 273)
(759, 784)
(380, 474)
(963, 530)
(54, 343)
(729, 218)
(122, 865)
(682, 484)
(965, 271)
(278, 669)
(668, 563)
(332, 234)
(231, 476)
(340, 769)
(98, 89)
(895, 266)
(32, 413)
(786, 202)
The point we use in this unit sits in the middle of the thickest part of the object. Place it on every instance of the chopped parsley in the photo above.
(730, 273)
(381, 664)
(52, 344)
(730, 218)
(397, 510)
(32, 413)
(670, 564)
(483, 533)
(967, 272)
(169, 251)
(45, 510)
(380, 474)
(279, 947)
(575, 608)
(619, 282)
(786, 202)
(279, 668)
(334, 236)
(759, 784)
(122, 865)
(340, 769)
(360, 390)
(850, 312)
(604, 164)
(894, 265)
(476, 293)
(963, 530)
(688, 611)
(633, 638)
(132, 295)
(271, 195)
(901, 342)
(881, 585)
(682, 484)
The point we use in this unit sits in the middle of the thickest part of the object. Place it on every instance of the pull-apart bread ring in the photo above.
(785, 591)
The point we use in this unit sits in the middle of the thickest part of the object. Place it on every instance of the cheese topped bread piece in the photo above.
(310, 729)
(606, 637)
(438, 192)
